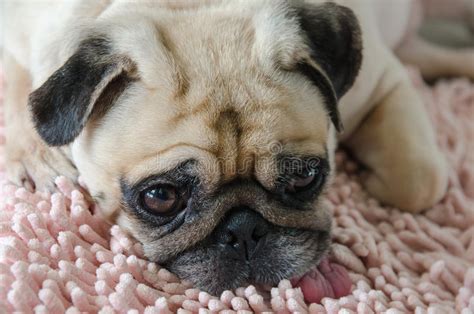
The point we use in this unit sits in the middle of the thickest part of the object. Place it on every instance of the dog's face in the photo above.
(206, 132)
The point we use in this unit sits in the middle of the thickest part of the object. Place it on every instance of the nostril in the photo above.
(255, 237)
(258, 233)
(228, 238)
(233, 241)
(238, 245)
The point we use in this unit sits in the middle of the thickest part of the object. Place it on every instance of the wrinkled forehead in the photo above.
(153, 130)
(203, 36)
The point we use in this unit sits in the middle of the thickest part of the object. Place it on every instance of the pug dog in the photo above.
(207, 129)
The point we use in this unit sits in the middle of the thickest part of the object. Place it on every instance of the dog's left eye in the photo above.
(303, 181)
(163, 199)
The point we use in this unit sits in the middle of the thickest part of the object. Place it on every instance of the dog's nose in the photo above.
(241, 232)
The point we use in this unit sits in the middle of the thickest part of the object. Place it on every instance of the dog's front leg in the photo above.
(397, 143)
(29, 162)
(435, 61)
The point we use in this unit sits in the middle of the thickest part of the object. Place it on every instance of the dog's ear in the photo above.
(88, 83)
(334, 39)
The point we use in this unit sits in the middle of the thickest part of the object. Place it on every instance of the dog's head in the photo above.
(206, 132)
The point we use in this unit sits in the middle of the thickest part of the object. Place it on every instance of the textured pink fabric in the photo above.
(56, 256)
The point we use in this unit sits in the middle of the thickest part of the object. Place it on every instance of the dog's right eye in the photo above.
(163, 199)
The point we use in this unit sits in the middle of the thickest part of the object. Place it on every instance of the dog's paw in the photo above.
(32, 164)
(417, 185)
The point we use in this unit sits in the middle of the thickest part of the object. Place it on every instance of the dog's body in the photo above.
(201, 93)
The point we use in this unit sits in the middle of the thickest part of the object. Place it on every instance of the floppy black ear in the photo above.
(88, 83)
(334, 38)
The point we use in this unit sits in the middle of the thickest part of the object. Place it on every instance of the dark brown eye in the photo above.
(302, 181)
(162, 199)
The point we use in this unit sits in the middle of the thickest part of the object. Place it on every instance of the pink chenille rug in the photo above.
(57, 254)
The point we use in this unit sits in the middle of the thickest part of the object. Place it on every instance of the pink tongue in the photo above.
(327, 280)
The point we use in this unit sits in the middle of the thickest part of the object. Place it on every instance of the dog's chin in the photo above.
(285, 254)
